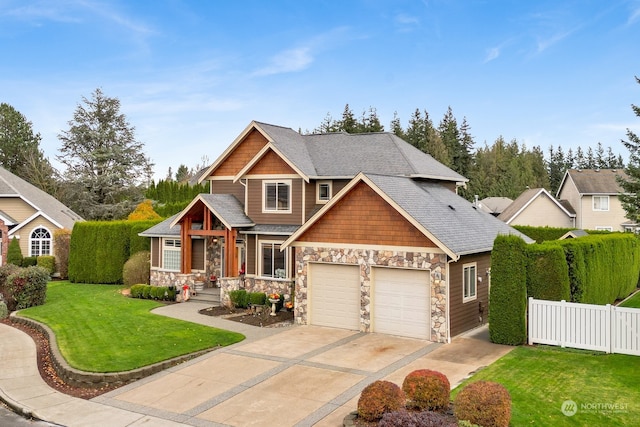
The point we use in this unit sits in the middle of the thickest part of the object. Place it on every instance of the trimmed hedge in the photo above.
(542, 234)
(162, 293)
(547, 272)
(508, 298)
(98, 249)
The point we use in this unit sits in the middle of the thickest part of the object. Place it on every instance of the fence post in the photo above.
(529, 322)
(612, 328)
(563, 313)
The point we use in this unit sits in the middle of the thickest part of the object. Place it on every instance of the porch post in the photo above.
(185, 246)
(230, 256)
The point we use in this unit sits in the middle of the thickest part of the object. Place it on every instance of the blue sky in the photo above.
(192, 74)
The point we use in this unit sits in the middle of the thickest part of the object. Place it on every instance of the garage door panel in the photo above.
(402, 302)
(335, 295)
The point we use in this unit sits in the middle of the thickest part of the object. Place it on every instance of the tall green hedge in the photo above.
(508, 298)
(99, 249)
(547, 272)
(542, 234)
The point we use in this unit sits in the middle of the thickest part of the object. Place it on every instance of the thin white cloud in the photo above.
(634, 16)
(39, 11)
(288, 61)
(544, 44)
(405, 22)
(492, 53)
(116, 17)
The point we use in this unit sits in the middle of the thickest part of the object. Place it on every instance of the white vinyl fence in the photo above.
(591, 327)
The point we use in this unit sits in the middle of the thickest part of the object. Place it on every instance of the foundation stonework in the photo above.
(435, 263)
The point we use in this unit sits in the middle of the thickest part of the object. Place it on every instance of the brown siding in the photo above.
(251, 254)
(197, 254)
(155, 252)
(310, 206)
(242, 154)
(254, 201)
(228, 187)
(363, 217)
(271, 164)
(465, 316)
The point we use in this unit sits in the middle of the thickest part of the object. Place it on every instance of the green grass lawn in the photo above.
(541, 378)
(633, 302)
(100, 330)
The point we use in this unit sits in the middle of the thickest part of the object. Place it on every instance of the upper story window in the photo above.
(171, 254)
(276, 196)
(323, 191)
(469, 282)
(600, 203)
(40, 242)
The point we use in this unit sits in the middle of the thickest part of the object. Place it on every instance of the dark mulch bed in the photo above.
(249, 317)
(48, 373)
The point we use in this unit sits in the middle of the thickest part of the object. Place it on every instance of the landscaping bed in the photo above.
(250, 317)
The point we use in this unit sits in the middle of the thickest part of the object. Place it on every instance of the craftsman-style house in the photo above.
(362, 231)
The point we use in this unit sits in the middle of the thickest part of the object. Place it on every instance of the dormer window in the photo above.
(277, 196)
(323, 191)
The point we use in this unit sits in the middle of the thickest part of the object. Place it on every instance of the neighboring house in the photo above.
(593, 193)
(494, 205)
(365, 231)
(30, 215)
(538, 208)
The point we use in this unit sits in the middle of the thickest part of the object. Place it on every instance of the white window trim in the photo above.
(318, 184)
(50, 240)
(475, 278)
(593, 203)
(604, 228)
(260, 258)
(173, 248)
(288, 182)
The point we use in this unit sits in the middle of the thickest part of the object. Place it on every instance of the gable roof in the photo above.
(573, 234)
(494, 205)
(225, 207)
(342, 155)
(525, 199)
(450, 221)
(12, 186)
(162, 229)
(594, 181)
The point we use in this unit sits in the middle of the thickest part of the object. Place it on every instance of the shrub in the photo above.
(137, 291)
(416, 419)
(4, 311)
(547, 272)
(378, 398)
(146, 292)
(257, 298)
(14, 253)
(239, 298)
(28, 287)
(61, 243)
(137, 268)
(508, 297)
(47, 262)
(29, 261)
(427, 390)
(484, 403)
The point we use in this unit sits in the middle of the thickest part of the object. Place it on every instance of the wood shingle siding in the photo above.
(271, 164)
(363, 217)
(242, 154)
(465, 316)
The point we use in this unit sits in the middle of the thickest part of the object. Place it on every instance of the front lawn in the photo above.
(633, 302)
(100, 330)
(539, 379)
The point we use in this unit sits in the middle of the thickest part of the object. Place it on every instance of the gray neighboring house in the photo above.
(31, 216)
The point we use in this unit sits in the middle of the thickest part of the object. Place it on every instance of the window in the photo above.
(277, 196)
(40, 242)
(469, 282)
(600, 203)
(273, 262)
(171, 254)
(604, 228)
(323, 191)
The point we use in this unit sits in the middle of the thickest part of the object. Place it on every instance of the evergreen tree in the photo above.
(396, 126)
(14, 254)
(183, 174)
(599, 161)
(631, 185)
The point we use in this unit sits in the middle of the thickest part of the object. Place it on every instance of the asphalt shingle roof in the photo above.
(454, 221)
(228, 209)
(597, 181)
(162, 229)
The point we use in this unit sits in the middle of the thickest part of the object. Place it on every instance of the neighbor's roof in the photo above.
(450, 221)
(594, 181)
(344, 155)
(12, 186)
(525, 199)
(494, 205)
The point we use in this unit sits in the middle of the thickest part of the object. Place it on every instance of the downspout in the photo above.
(246, 196)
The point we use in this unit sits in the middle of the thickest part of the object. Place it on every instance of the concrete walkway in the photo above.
(290, 376)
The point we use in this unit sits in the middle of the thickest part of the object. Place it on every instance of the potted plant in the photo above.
(274, 298)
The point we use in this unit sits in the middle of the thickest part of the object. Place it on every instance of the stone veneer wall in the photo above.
(435, 263)
(254, 284)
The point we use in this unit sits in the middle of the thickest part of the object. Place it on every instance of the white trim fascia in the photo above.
(214, 211)
(534, 197)
(564, 178)
(271, 177)
(7, 221)
(362, 246)
(33, 217)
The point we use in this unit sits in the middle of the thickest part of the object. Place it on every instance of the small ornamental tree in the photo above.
(144, 211)
(14, 254)
(61, 245)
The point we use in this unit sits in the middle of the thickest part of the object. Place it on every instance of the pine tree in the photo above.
(631, 185)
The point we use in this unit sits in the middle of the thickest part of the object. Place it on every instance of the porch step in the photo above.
(208, 295)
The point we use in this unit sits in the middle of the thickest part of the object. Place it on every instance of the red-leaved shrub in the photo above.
(484, 403)
(378, 398)
(427, 390)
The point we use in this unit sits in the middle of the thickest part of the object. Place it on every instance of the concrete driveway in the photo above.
(294, 376)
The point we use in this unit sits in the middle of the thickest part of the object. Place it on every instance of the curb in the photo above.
(78, 378)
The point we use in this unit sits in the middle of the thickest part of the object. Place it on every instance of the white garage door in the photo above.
(334, 293)
(401, 302)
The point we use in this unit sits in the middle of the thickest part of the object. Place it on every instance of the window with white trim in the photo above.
(604, 228)
(40, 242)
(273, 262)
(276, 196)
(600, 203)
(469, 282)
(171, 254)
(323, 191)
